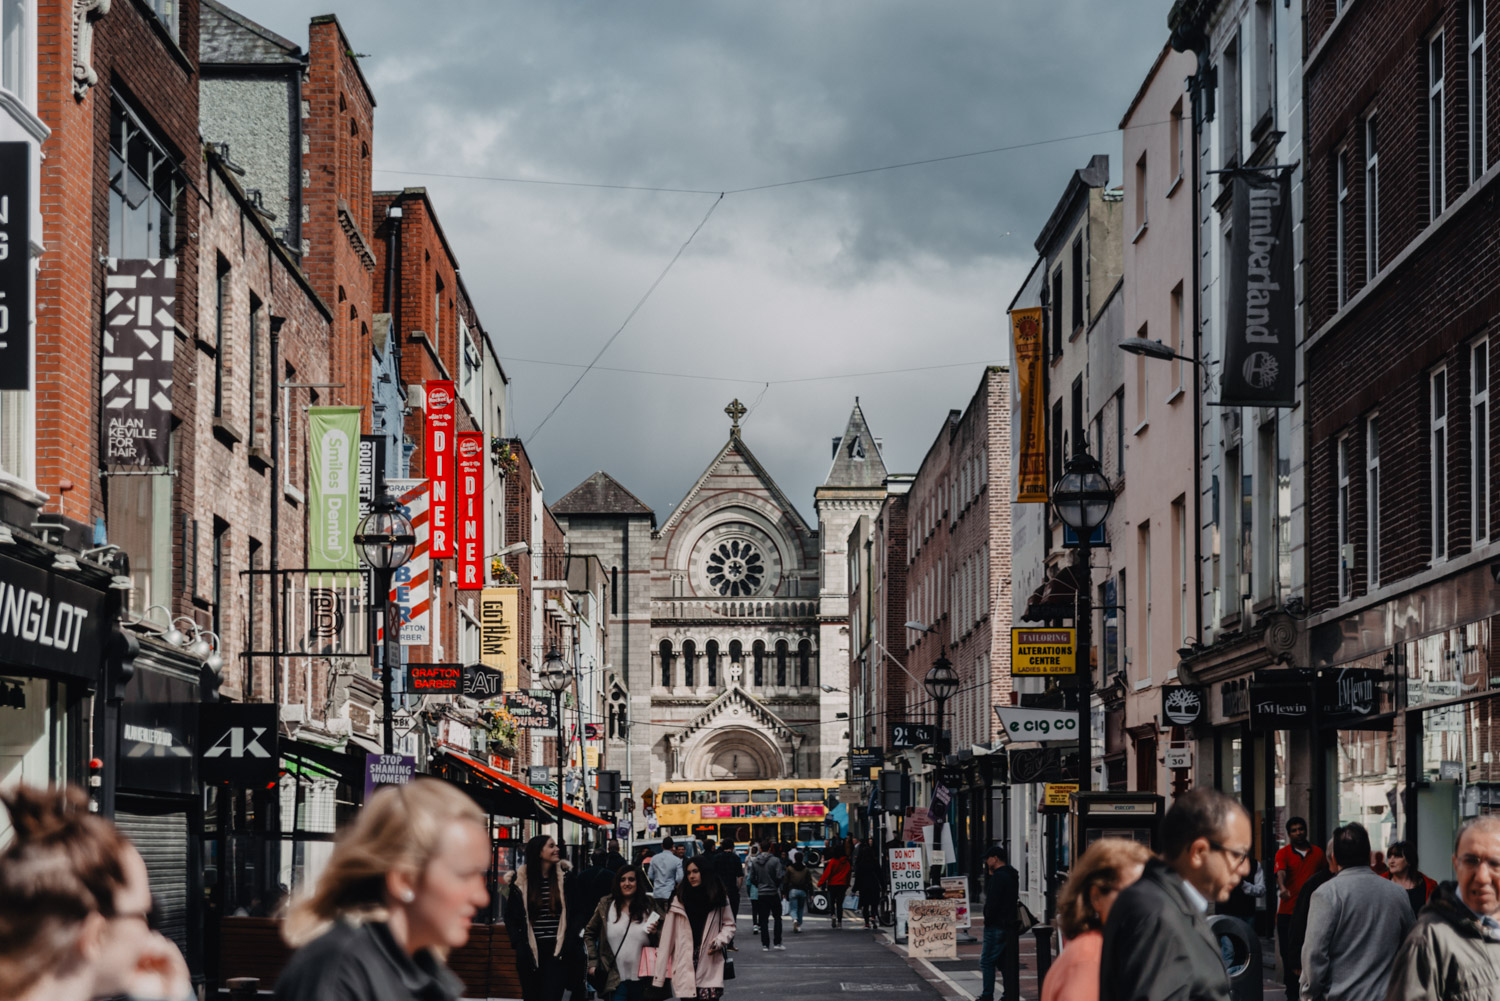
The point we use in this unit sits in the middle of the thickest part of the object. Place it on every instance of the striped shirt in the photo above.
(544, 921)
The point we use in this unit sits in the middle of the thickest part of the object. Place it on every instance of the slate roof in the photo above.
(601, 494)
(228, 37)
(858, 462)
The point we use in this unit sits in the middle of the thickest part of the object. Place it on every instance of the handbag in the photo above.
(599, 976)
(1025, 920)
(728, 967)
(754, 892)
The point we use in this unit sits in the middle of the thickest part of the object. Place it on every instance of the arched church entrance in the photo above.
(735, 753)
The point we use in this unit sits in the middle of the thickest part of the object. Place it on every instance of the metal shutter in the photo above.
(162, 840)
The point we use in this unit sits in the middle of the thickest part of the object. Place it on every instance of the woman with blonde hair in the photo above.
(403, 884)
(76, 919)
(1107, 867)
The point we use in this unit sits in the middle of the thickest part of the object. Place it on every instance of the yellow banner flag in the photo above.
(499, 639)
(1031, 472)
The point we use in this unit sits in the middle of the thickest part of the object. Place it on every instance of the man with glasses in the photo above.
(1355, 924)
(1453, 952)
(1296, 863)
(1157, 941)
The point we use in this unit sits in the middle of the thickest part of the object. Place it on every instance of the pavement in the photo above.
(823, 963)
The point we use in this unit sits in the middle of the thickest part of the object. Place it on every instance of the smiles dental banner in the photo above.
(333, 481)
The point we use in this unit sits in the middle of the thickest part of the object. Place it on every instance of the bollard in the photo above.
(1043, 935)
(243, 988)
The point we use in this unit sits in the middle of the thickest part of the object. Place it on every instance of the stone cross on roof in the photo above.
(735, 410)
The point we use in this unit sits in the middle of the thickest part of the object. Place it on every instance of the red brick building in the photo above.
(1403, 297)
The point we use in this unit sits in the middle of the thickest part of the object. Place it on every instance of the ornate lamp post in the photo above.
(941, 683)
(555, 679)
(386, 540)
(1083, 499)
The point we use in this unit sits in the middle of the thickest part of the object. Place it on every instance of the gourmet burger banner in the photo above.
(469, 544)
(1260, 336)
(437, 457)
(135, 386)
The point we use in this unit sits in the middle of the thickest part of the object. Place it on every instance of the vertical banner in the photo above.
(15, 265)
(499, 640)
(469, 541)
(1031, 469)
(1260, 337)
(371, 469)
(135, 386)
(333, 486)
(411, 589)
(437, 463)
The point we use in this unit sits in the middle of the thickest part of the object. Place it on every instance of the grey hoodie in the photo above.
(767, 872)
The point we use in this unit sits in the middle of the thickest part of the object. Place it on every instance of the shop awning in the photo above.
(504, 781)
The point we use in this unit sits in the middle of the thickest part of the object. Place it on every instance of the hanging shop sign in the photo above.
(437, 463)
(1181, 705)
(333, 486)
(371, 469)
(1282, 700)
(1348, 695)
(135, 380)
(468, 544)
(908, 735)
(435, 679)
(863, 759)
(482, 682)
(532, 710)
(411, 585)
(49, 623)
(15, 265)
(1037, 724)
(238, 742)
(1055, 794)
(1260, 331)
(1031, 465)
(159, 721)
(498, 638)
(387, 770)
(1043, 651)
(1038, 764)
(1234, 698)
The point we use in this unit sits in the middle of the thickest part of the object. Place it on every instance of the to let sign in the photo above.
(1043, 651)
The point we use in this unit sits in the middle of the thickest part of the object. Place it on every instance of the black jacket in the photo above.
(363, 963)
(1158, 946)
(1002, 894)
(1298, 931)
(574, 916)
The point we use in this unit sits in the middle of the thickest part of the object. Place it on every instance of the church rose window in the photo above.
(735, 568)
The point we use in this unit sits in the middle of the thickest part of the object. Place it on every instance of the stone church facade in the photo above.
(729, 622)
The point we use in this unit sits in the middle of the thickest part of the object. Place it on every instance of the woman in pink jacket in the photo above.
(698, 928)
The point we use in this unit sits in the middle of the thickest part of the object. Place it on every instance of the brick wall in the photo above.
(888, 550)
(1422, 310)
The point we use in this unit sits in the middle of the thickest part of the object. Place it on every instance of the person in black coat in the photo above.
(1297, 930)
(868, 873)
(1002, 898)
(543, 916)
(1157, 941)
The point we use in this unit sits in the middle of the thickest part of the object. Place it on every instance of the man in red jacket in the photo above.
(1295, 863)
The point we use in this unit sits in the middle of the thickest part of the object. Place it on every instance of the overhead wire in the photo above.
(754, 382)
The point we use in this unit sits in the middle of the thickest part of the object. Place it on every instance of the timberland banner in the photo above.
(333, 483)
(1031, 469)
(1260, 342)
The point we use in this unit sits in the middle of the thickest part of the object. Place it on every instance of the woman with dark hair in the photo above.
(542, 916)
(836, 880)
(868, 875)
(1401, 858)
(1083, 905)
(799, 886)
(698, 930)
(75, 907)
(621, 926)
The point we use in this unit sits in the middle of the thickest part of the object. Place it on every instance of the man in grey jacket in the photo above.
(1355, 924)
(1453, 953)
(768, 873)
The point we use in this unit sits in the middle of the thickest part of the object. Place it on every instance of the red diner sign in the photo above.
(437, 456)
(469, 542)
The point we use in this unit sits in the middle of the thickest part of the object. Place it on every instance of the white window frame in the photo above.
(1478, 98)
(1341, 512)
(1479, 438)
(19, 38)
(1437, 187)
(1341, 227)
(1437, 446)
(1372, 197)
(1372, 500)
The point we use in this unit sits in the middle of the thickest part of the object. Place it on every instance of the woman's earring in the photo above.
(407, 896)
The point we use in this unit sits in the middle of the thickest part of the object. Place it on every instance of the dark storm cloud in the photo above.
(881, 271)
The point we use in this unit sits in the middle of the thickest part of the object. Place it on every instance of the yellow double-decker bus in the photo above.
(790, 810)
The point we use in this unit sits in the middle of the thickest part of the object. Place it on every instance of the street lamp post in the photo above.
(941, 684)
(386, 539)
(555, 679)
(1083, 498)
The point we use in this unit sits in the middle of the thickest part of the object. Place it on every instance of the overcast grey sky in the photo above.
(864, 279)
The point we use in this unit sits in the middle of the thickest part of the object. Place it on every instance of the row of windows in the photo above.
(682, 797)
(689, 656)
(951, 496)
(968, 592)
(1350, 163)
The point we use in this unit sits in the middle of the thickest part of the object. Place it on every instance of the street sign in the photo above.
(536, 775)
(909, 735)
(1043, 651)
(932, 758)
(1179, 756)
(403, 723)
(1042, 725)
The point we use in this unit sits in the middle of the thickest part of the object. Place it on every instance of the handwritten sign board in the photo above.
(956, 889)
(906, 870)
(931, 932)
(916, 822)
